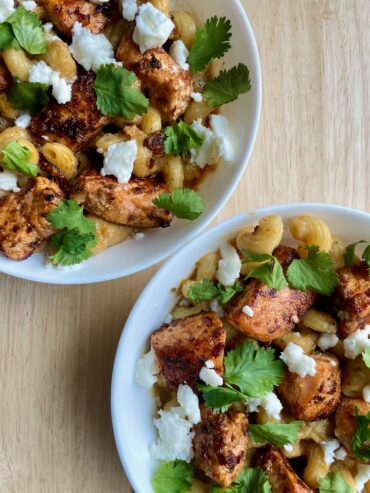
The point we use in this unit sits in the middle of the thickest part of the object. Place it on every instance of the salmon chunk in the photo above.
(127, 204)
(220, 445)
(23, 222)
(183, 347)
(345, 423)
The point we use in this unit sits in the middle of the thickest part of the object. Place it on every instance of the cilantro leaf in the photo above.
(278, 434)
(30, 96)
(7, 38)
(28, 31)
(70, 215)
(183, 202)
(360, 441)
(334, 483)
(116, 95)
(366, 357)
(228, 86)
(349, 255)
(254, 371)
(173, 477)
(227, 292)
(72, 247)
(180, 139)
(316, 272)
(249, 481)
(269, 272)
(206, 290)
(17, 158)
(211, 41)
(221, 398)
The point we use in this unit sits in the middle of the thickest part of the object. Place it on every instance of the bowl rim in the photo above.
(162, 272)
(200, 224)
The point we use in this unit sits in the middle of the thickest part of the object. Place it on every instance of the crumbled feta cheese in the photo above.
(45, 137)
(207, 152)
(362, 477)
(168, 319)
(253, 404)
(99, 2)
(366, 393)
(295, 319)
(153, 28)
(189, 403)
(209, 364)
(139, 236)
(29, 4)
(327, 341)
(298, 362)
(6, 9)
(180, 53)
(228, 266)
(248, 310)
(48, 27)
(197, 97)
(129, 9)
(340, 454)
(146, 370)
(224, 137)
(91, 50)
(62, 89)
(8, 181)
(119, 160)
(288, 448)
(217, 308)
(356, 343)
(270, 403)
(329, 447)
(23, 120)
(210, 377)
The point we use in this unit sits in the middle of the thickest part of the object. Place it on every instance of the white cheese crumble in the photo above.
(210, 377)
(327, 341)
(298, 362)
(179, 53)
(153, 28)
(207, 152)
(6, 9)
(8, 181)
(362, 477)
(189, 403)
(29, 4)
(224, 137)
(270, 403)
(139, 236)
(23, 120)
(288, 448)
(366, 393)
(248, 310)
(356, 343)
(129, 9)
(328, 448)
(209, 364)
(91, 50)
(217, 308)
(61, 88)
(229, 265)
(197, 97)
(119, 160)
(340, 454)
(146, 370)
(99, 2)
(168, 319)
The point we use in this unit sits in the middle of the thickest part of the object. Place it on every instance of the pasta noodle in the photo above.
(173, 172)
(311, 230)
(320, 321)
(18, 64)
(151, 121)
(62, 157)
(264, 238)
(207, 266)
(316, 467)
(109, 234)
(355, 376)
(197, 110)
(185, 27)
(60, 59)
(13, 133)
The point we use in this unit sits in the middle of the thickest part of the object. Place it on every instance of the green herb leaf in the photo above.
(228, 86)
(316, 272)
(180, 139)
(72, 247)
(29, 96)
(211, 41)
(116, 95)
(269, 272)
(249, 481)
(221, 398)
(7, 38)
(70, 215)
(183, 202)
(360, 444)
(173, 477)
(366, 357)
(227, 292)
(206, 290)
(28, 31)
(278, 434)
(334, 483)
(17, 158)
(349, 255)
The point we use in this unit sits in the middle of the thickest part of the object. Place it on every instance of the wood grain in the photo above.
(57, 343)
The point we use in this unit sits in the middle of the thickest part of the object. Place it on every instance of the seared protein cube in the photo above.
(23, 217)
(275, 313)
(72, 124)
(352, 299)
(183, 347)
(169, 86)
(313, 397)
(345, 423)
(127, 204)
(220, 445)
(64, 13)
(282, 477)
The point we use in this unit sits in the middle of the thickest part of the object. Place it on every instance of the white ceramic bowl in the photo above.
(133, 256)
(133, 406)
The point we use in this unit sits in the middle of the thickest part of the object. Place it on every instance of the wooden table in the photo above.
(57, 344)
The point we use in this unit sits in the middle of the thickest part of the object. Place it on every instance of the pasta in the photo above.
(109, 234)
(13, 133)
(173, 172)
(62, 157)
(305, 338)
(144, 166)
(18, 64)
(337, 251)
(185, 27)
(59, 58)
(34, 156)
(207, 267)
(162, 5)
(320, 321)
(151, 121)
(355, 376)
(311, 230)
(197, 110)
(316, 467)
(103, 142)
(264, 238)
(7, 110)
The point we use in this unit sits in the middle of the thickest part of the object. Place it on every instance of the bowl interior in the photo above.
(133, 406)
(134, 255)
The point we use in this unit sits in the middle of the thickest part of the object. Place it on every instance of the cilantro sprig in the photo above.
(228, 86)
(334, 483)
(278, 434)
(75, 243)
(349, 255)
(29, 96)
(183, 202)
(173, 477)
(269, 272)
(366, 356)
(7, 38)
(212, 40)
(206, 290)
(17, 158)
(116, 95)
(361, 438)
(180, 139)
(250, 480)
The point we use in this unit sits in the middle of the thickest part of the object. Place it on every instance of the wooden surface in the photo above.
(57, 343)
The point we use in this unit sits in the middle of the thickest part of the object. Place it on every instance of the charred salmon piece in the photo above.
(352, 299)
(6, 79)
(345, 423)
(64, 13)
(282, 477)
(23, 222)
(127, 204)
(313, 397)
(72, 124)
(220, 445)
(168, 85)
(183, 346)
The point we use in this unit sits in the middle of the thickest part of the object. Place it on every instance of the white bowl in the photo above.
(133, 406)
(132, 256)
